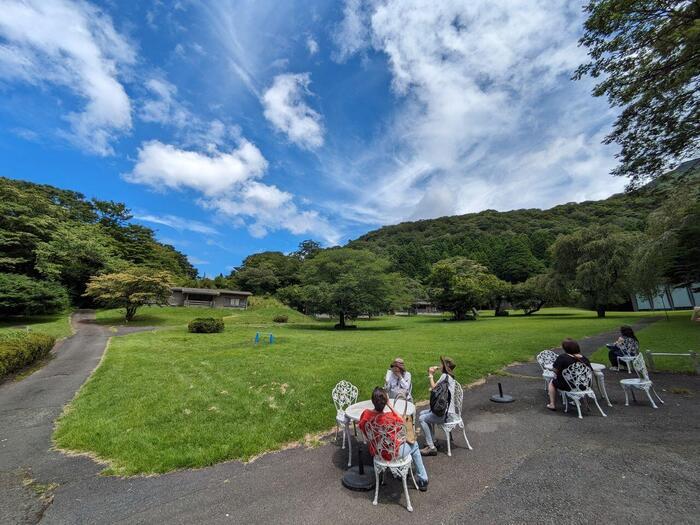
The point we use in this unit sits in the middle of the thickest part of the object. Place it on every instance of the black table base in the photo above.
(360, 477)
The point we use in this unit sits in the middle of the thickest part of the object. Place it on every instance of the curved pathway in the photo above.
(514, 474)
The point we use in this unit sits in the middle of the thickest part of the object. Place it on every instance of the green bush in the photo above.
(19, 349)
(205, 325)
(280, 318)
(22, 295)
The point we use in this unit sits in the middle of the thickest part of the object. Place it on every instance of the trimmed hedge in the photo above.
(19, 349)
(280, 318)
(205, 325)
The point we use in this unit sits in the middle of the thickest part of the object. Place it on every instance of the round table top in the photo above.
(353, 412)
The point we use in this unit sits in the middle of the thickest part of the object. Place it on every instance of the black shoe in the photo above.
(423, 485)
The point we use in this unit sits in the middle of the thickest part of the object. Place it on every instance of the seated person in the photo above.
(379, 400)
(626, 345)
(572, 354)
(427, 417)
(397, 380)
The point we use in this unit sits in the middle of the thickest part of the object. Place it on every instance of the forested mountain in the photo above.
(514, 244)
(51, 237)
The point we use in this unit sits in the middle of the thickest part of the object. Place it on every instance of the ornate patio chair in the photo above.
(641, 382)
(456, 421)
(344, 394)
(630, 352)
(578, 376)
(544, 358)
(387, 440)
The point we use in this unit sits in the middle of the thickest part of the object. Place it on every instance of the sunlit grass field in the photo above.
(57, 325)
(168, 399)
(675, 335)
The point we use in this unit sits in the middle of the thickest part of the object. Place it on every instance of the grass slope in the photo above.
(677, 335)
(168, 399)
(56, 325)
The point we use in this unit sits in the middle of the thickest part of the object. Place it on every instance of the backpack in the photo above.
(440, 398)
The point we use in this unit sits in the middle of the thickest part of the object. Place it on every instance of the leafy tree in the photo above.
(307, 250)
(74, 254)
(646, 52)
(260, 280)
(345, 283)
(531, 295)
(594, 263)
(22, 295)
(458, 285)
(514, 262)
(266, 272)
(130, 289)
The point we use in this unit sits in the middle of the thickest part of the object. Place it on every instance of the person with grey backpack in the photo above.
(442, 407)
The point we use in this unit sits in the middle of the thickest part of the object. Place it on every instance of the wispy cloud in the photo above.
(177, 223)
(287, 111)
(75, 45)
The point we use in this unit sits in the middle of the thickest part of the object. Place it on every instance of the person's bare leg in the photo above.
(552, 396)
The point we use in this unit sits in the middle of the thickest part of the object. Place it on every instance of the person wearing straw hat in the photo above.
(427, 418)
(398, 381)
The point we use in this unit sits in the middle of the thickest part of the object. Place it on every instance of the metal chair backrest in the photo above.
(386, 438)
(344, 394)
(546, 357)
(578, 376)
(629, 347)
(640, 367)
(458, 398)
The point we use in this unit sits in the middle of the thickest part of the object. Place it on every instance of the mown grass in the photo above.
(168, 399)
(677, 335)
(56, 325)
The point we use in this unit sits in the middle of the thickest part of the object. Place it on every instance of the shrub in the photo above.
(280, 318)
(205, 325)
(19, 349)
(22, 295)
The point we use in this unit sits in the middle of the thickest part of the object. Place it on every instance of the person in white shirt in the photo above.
(398, 380)
(427, 417)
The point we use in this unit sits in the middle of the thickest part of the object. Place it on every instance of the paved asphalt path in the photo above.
(638, 465)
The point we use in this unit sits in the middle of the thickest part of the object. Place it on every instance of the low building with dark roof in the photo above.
(209, 297)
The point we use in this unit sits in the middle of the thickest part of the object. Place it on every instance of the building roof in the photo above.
(209, 291)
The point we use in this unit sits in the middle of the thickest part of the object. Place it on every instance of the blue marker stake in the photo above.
(257, 337)
(272, 339)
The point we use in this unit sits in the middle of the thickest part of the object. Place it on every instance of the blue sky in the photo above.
(233, 127)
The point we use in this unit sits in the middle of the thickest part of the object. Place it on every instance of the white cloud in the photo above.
(196, 260)
(286, 110)
(75, 45)
(311, 45)
(487, 116)
(178, 223)
(163, 107)
(165, 166)
(229, 184)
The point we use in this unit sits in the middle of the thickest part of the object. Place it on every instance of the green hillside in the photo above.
(514, 244)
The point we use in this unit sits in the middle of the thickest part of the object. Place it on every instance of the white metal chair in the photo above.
(578, 376)
(456, 420)
(387, 440)
(641, 382)
(544, 358)
(344, 394)
(630, 352)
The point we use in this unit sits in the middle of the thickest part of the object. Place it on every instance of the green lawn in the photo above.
(677, 335)
(57, 325)
(168, 399)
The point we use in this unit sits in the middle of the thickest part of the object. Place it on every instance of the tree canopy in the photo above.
(647, 53)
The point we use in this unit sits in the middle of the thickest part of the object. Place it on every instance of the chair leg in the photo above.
(414, 479)
(634, 398)
(578, 407)
(376, 485)
(405, 491)
(565, 401)
(601, 387)
(657, 395)
(629, 368)
(595, 399)
(627, 398)
(343, 431)
(347, 434)
(336, 432)
(449, 445)
(651, 400)
(464, 433)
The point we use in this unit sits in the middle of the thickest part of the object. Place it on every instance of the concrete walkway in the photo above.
(638, 465)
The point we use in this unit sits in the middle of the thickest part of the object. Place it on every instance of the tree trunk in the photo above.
(535, 309)
(600, 310)
(130, 312)
(341, 320)
(460, 315)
